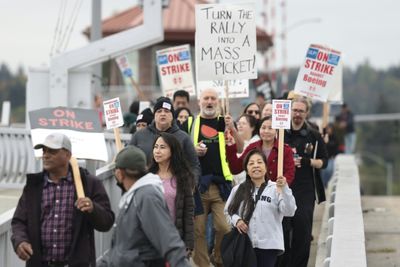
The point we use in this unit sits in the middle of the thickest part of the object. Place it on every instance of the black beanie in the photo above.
(164, 102)
(145, 116)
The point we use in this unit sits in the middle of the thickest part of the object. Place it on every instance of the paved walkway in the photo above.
(382, 230)
(9, 198)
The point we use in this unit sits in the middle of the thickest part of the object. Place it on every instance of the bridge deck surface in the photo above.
(382, 230)
(381, 222)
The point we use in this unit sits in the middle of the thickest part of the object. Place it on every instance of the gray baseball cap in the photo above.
(56, 141)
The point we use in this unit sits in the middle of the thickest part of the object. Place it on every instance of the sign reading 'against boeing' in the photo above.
(225, 42)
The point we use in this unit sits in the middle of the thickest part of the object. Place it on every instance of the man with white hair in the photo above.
(215, 180)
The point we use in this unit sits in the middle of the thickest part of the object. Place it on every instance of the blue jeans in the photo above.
(350, 142)
(326, 173)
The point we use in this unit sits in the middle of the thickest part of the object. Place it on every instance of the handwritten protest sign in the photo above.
(175, 70)
(225, 42)
(318, 72)
(82, 126)
(113, 113)
(237, 88)
(281, 114)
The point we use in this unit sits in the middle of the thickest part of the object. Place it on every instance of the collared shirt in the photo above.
(56, 217)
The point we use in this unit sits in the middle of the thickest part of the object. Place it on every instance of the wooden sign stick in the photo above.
(135, 85)
(325, 116)
(77, 178)
(117, 137)
(226, 97)
(281, 138)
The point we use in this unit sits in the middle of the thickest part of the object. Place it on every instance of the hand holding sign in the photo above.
(281, 119)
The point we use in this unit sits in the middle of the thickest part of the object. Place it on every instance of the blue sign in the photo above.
(128, 72)
(163, 59)
(184, 55)
(312, 53)
(286, 105)
(333, 59)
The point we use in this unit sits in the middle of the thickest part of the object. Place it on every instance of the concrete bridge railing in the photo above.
(17, 157)
(342, 240)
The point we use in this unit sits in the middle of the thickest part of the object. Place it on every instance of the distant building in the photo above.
(179, 28)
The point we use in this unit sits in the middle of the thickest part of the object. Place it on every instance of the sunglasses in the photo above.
(298, 111)
(253, 112)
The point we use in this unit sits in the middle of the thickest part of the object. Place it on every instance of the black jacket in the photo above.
(307, 179)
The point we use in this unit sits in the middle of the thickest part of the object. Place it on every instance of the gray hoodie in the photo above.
(144, 140)
(144, 230)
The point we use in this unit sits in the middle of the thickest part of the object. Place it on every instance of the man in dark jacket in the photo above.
(310, 156)
(164, 122)
(50, 226)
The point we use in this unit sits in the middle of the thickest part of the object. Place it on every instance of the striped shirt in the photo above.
(56, 217)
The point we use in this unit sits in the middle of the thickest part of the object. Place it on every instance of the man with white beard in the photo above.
(215, 179)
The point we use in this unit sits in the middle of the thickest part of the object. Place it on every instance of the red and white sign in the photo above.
(113, 113)
(317, 75)
(175, 70)
(281, 114)
(82, 126)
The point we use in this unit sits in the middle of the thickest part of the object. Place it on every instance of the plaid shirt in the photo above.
(56, 218)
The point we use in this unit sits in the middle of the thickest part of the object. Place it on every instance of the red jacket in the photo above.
(236, 164)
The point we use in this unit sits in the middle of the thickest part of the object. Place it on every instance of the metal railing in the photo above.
(342, 241)
(17, 157)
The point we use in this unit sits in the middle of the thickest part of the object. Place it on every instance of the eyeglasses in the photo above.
(298, 111)
(252, 111)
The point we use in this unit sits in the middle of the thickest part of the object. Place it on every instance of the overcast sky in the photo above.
(361, 29)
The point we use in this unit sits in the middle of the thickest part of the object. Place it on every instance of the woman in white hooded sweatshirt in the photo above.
(276, 201)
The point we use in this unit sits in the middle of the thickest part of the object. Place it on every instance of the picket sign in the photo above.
(81, 126)
(225, 44)
(114, 119)
(126, 70)
(175, 70)
(318, 74)
(281, 119)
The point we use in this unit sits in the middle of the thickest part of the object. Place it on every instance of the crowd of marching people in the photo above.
(196, 189)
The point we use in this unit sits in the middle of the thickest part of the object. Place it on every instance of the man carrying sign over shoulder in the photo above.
(50, 226)
(310, 156)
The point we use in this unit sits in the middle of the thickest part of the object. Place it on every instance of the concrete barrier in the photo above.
(342, 241)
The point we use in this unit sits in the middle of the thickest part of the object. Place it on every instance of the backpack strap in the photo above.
(258, 196)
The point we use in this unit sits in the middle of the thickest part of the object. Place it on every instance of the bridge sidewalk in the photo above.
(9, 198)
(382, 230)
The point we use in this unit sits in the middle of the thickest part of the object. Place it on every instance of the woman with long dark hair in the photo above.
(275, 201)
(178, 181)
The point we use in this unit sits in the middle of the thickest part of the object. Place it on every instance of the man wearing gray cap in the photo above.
(144, 234)
(50, 226)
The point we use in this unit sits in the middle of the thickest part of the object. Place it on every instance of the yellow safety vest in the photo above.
(222, 154)
(189, 123)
